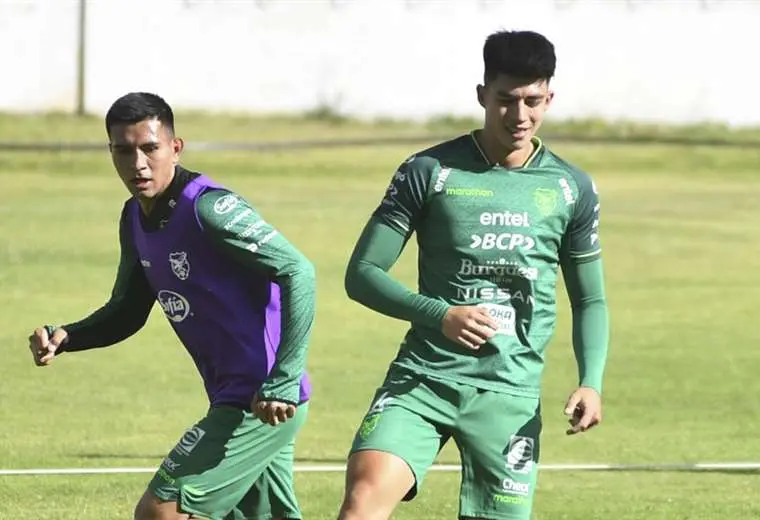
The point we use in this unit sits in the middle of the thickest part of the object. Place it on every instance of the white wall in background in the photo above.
(667, 60)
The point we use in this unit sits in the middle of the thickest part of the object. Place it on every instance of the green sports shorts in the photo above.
(413, 416)
(232, 466)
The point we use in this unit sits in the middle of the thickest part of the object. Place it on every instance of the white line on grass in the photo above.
(329, 468)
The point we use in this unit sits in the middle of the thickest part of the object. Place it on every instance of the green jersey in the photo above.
(493, 237)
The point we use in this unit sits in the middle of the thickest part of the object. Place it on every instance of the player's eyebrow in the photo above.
(128, 146)
(508, 95)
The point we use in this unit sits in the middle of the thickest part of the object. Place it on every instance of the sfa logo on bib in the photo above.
(174, 305)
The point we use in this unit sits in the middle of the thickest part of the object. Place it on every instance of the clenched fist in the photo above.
(44, 346)
(272, 412)
(469, 325)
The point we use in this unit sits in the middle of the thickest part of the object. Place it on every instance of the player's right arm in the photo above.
(123, 315)
(384, 237)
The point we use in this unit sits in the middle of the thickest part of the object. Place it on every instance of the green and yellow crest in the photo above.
(368, 425)
(546, 200)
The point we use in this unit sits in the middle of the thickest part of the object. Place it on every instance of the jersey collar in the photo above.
(537, 143)
(167, 201)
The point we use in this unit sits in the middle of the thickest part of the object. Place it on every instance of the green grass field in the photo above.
(680, 232)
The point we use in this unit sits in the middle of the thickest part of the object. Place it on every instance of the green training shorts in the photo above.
(413, 416)
(232, 466)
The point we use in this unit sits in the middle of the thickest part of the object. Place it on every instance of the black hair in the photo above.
(138, 106)
(522, 54)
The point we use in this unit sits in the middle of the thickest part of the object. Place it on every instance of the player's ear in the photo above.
(480, 89)
(177, 146)
(549, 98)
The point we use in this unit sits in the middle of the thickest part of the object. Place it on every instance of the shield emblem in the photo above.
(179, 264)
(546, 200)
(368, 425)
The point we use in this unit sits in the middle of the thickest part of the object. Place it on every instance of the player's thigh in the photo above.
(216, 462)
(499, 439)
(273, 494)
(409, 419)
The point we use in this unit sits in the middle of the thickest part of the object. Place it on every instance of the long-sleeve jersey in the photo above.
(493, 237)
(236, 232)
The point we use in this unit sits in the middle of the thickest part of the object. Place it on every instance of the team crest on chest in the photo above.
(179, 264)
(546, 200)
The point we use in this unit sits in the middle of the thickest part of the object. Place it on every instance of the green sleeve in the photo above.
(580, 258)
(125, 312)
(245, 237)
(581, 240)
(404, 199)
(585, 289)
(383, 239)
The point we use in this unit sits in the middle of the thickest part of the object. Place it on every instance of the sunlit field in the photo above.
(680, 231)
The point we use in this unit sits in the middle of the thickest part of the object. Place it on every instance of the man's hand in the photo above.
(470, 326)
(584, 407)
(272, 412)
(43, 347)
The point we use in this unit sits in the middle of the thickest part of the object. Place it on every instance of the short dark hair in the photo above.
(138, 106)
(523, 54)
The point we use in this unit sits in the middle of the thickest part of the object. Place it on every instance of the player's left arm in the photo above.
(583, 272)
(247, 238)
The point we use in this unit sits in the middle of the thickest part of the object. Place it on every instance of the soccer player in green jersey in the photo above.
(496, 215)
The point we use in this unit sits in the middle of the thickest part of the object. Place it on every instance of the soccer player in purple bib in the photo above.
(496, 214)
(240, 298)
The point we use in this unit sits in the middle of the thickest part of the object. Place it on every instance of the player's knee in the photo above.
(151, 508)
(375, 484)
(364, 500)
(360, 494)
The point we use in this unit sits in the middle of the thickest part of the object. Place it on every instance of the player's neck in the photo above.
(517, 158)
(147, 205)
(496, 153)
